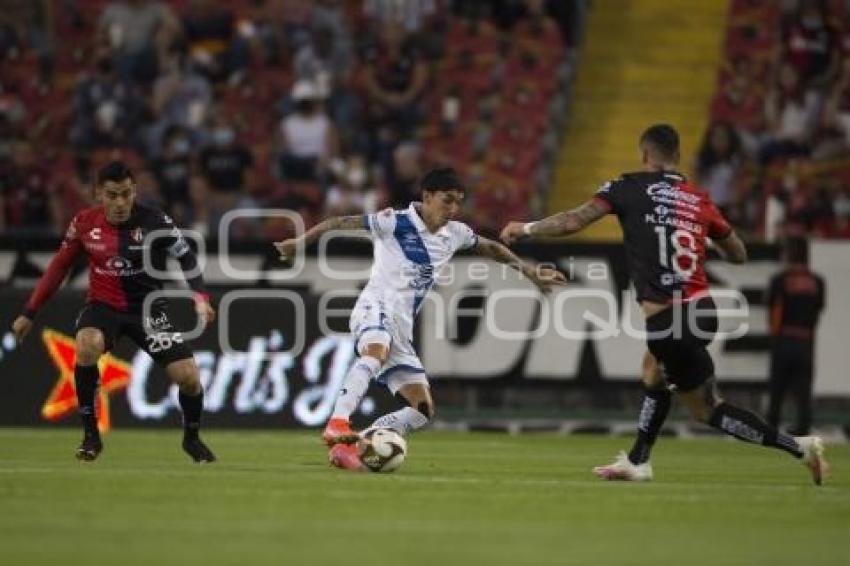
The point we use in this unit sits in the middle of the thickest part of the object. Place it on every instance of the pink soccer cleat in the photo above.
(345, 456)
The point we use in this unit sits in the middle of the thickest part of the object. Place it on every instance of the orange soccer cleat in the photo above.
(345, 456)
(339, 431)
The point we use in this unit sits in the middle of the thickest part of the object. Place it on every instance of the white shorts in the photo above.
(372, 322)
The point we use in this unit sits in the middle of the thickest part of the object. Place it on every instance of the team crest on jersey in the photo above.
(118, 263)
(137, 235)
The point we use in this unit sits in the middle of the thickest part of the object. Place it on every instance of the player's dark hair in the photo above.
(441, 179)
(797, 250)
(663, 138)
(115, 171)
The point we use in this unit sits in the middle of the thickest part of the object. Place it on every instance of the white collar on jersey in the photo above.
(419, 224)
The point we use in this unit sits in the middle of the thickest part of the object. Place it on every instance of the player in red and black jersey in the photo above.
(667, 224)
(795, 300)
(126, 243)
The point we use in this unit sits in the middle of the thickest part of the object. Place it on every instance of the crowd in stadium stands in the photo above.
(776, 156)
(318, 106)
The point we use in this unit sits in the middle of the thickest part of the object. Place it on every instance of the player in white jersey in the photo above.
(410, 247)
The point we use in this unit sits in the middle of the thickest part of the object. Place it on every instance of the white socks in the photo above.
(364, 370)
(355, 385)
(402, 421)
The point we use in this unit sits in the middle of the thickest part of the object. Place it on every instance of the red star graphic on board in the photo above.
(62, 401)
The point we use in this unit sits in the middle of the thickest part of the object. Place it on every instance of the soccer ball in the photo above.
(382, 450)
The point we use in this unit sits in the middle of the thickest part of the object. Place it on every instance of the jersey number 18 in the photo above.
(688, 249)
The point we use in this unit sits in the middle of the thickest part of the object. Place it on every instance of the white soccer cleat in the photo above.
(813, 450)
(622, 469)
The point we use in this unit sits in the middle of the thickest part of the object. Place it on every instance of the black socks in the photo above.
(192, 406)
(656, 405)
(85, 380)
(749, 427)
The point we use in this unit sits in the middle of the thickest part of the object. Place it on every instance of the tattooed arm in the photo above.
(543, 277)
(287, 248)
(560, 224)
(731, 248)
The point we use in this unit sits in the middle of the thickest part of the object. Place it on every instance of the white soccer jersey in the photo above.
(407, 255)
(406, 258)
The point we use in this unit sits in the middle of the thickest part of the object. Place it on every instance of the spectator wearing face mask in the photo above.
(307, 138)
(225, 167)
(173, 172)
(353, 193)
(181, 97)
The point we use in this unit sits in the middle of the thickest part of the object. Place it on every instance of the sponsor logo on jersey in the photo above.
(95, 246)
(92, 243)
(158, 322)
(117, 266)
(118, 263)
(421, 276)
(665, 193)
(669, 191)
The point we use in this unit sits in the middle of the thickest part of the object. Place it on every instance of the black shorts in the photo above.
(678, 336)
(159, 338)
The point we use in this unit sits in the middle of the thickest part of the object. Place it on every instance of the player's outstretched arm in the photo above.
(543, 277)
(731, 248)
(58, 268)
(560, 224)
(287, 248)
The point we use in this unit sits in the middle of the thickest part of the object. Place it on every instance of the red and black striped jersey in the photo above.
(666, 223)
(119, 275)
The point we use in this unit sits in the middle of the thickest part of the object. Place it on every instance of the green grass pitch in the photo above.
(462, 499)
